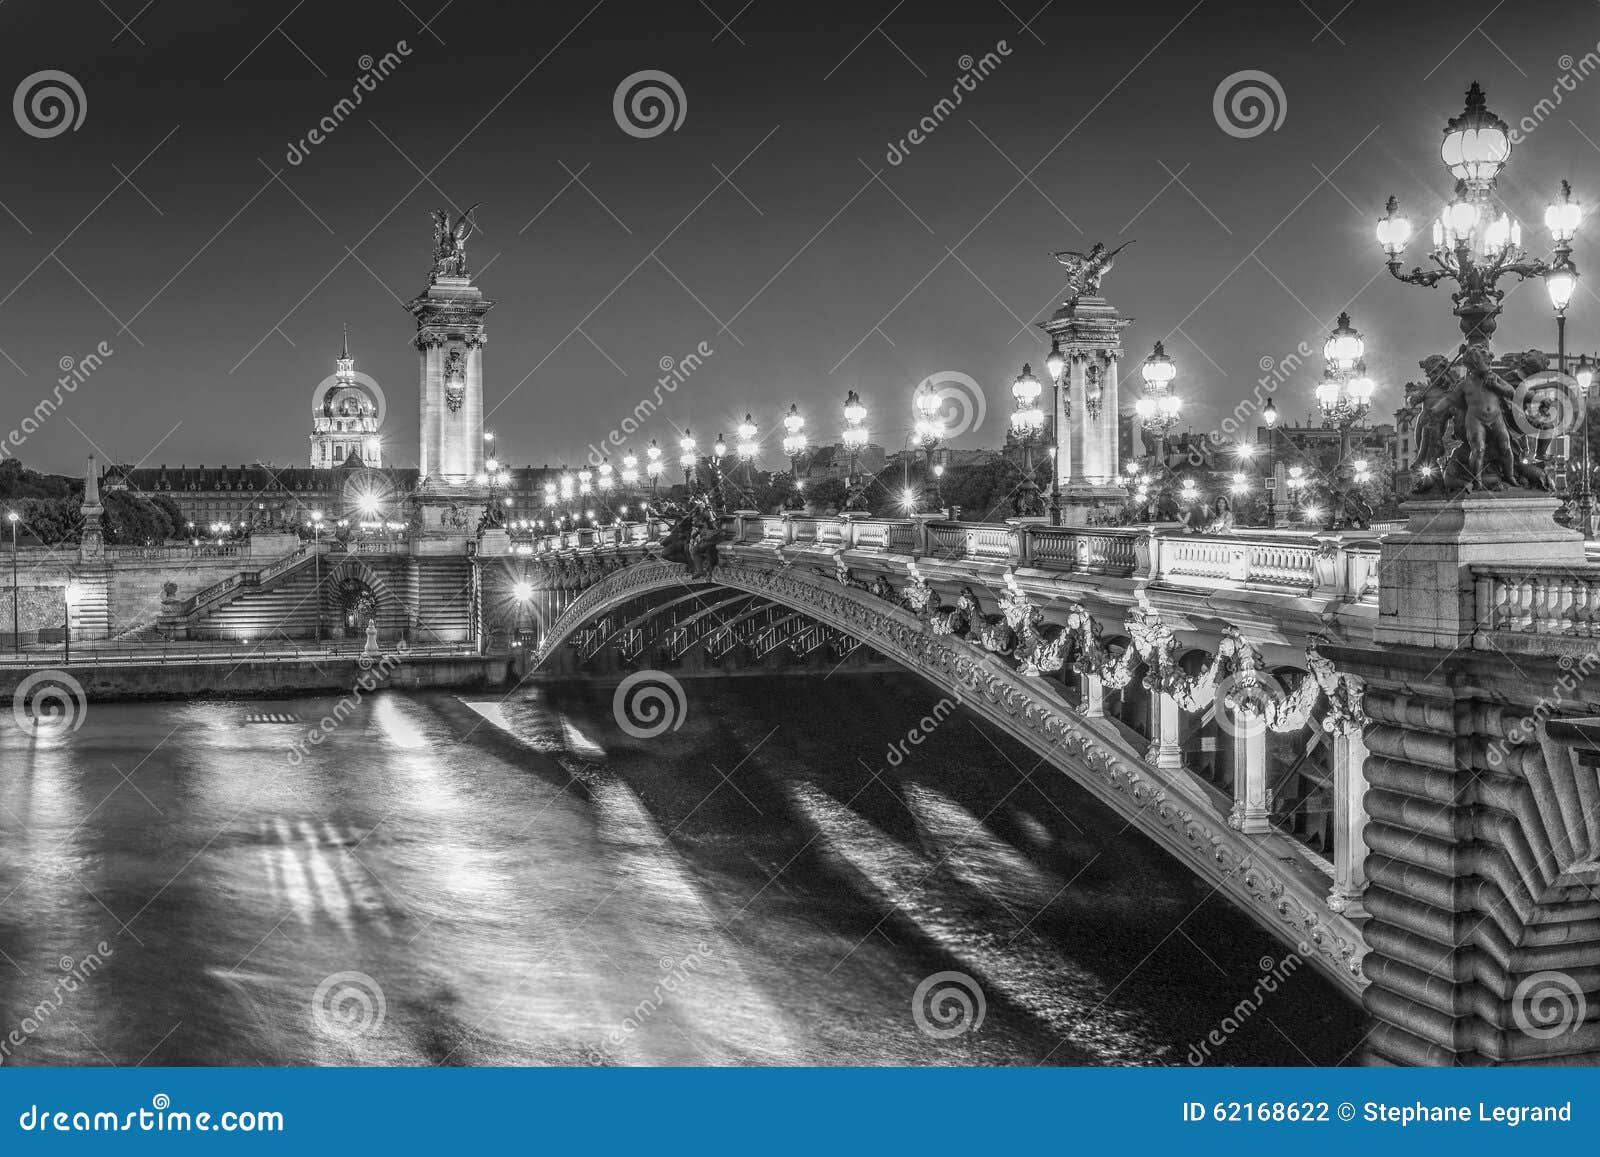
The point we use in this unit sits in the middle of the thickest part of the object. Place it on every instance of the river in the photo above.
(461, 880)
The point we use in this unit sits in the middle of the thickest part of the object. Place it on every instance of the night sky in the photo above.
(172, 226)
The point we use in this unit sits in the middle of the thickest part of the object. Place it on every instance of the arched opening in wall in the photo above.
(1199, 735)
(358, 606)
(1300, 774)
(1129, 705)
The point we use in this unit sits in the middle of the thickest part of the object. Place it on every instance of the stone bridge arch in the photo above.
(1246, 865)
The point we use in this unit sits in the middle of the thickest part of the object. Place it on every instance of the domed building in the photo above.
(346, 481)
(345, 415)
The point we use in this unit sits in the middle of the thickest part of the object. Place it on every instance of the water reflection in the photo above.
(523, 882)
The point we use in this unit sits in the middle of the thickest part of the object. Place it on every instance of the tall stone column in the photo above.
(450, 338)
(1088, 330)
(1110, 408)
(1077, 442)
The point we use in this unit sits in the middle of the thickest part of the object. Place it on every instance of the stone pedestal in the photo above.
(1481, 876)
(1080, 503)
(1426, 596)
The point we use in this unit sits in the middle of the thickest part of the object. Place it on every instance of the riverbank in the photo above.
(230, 677)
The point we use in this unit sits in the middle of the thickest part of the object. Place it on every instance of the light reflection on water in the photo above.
(525, 883)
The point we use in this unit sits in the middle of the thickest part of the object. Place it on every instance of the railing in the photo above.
(287, 562)
(1538, 600)
(171, 553)
(1289, 562)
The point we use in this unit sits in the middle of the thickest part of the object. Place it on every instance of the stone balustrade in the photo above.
(1286, 562)
(1534, 609)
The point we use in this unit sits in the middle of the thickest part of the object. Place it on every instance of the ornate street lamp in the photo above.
(747, 439)
(1344, 396)
(1270, 417)
(652, 466)
(686, 459)
(854, 437)
(794, 444)
(1027, 420)
(1056, 364)
(1158, 408)
(930, 431)
(1473, 245)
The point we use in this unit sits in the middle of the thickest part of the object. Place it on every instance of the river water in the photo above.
(447, 879)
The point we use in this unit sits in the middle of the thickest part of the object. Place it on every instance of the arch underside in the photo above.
(1165, 805)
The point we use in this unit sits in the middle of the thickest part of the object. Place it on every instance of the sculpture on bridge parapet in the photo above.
(1475, 423)
(1088, 270)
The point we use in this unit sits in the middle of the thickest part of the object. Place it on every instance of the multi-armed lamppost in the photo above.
(1027, 420)
(794, 443)
(1158, 408)
(686, 459)
(1473, 245)
(652, 466)
(630, 471)
(930, 431)
(854, 437)
(1344, 396)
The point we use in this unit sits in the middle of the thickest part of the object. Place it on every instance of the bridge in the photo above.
(1378, 746)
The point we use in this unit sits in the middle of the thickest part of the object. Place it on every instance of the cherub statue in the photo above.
(1434, 401)
(1088, 269)
(1483, 393)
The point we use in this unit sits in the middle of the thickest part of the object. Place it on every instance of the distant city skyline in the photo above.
(818, 220)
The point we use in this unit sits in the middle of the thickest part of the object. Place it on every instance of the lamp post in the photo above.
(652, 466)
(747, 449)
(1270, 417)
(16, 587)
(930, 432)
(1158, 408)
(316, 566)
(1344, 396)
(1056, 364)
(686, 459)
(855, 437)
(1583, 374)
(719, 451)
(1028, 420)
(1475, 247)
(794, 444)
